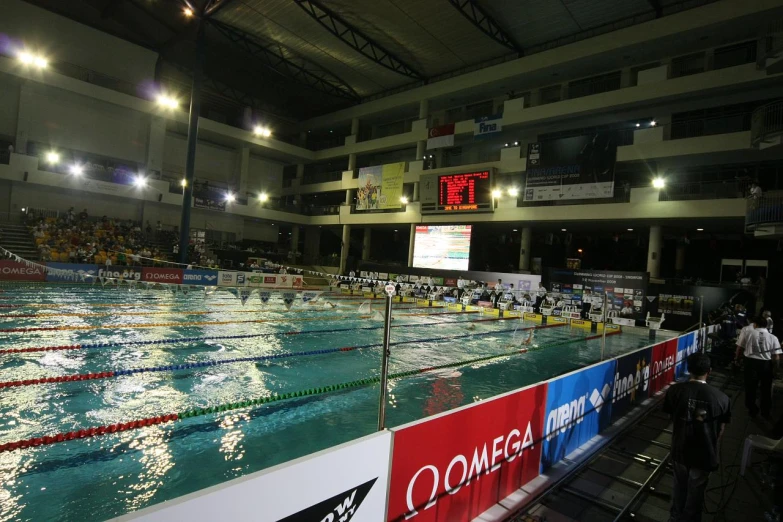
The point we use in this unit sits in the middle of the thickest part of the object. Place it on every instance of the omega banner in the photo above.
(579, 167)
(453, 467)
(14, 271)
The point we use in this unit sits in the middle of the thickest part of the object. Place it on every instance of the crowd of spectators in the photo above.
(75, 238)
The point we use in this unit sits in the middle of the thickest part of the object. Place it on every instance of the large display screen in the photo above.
(464, 191)
(442, 247)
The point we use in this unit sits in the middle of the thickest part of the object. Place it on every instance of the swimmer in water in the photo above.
(470, 326)
(523, 346)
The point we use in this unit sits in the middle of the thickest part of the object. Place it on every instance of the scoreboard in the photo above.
(463, 192)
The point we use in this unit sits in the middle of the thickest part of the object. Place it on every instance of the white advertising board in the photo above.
(344, 483)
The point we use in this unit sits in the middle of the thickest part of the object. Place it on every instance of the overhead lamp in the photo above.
(263, 197)
(76, 170)
(140, 181)
(167, 102)
(653, 123)
(52, 158)
(562, 230)
(33, 60)
(230, 197)
(699, 230)
(630, 230)
(658, 183)
(404, 200)
(515, 230)
(262, 131)
(188, 12)
(184, 182)
(516, 143)
(579, 250)
(506, 145)
(638, 124)
(513, 192)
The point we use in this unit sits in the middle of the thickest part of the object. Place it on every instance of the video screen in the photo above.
(442, 247)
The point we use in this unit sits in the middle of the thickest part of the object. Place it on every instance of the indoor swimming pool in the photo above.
(195, 354)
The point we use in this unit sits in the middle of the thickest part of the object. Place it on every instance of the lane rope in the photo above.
(109, 344)
(97, 431)
(204, 323)
(204, 364)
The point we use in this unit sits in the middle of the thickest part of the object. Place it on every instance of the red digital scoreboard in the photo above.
(468, 191)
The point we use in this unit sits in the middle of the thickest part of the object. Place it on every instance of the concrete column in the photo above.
(155, 143)
(349, 197)
(295, 238)
(366, 244)
(312, 244)
(524, 249)
(352, 161)
(355, 126)
(424, 109)
(421, 149)
(244, 168)
(412, 244)
(23, 119)
(654, 252)
(415, 191)
(346, 245)
(679, 261)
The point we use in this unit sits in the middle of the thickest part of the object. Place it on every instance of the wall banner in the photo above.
(664, 356)
(15, 271)
(200, 277)
(79, 269)
(162, 275)
(231, 278)
(686, 345)
(487, 126)
(439, 477)
(578, 407)
(631, 381)
(626, 291)
(380, 187)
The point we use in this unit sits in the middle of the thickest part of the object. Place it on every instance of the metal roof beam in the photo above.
(215, 6)
(356, 39)
(274, 57)
(476, 15)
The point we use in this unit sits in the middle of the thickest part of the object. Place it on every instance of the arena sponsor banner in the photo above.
(15, 271)
(121, 272)
(437, 476)
(200, 277)
(686, 345)
(231, 278)
(79, 269)
(631, 381)
(664, 356)
(380, 187)
(295, 491)
(162, 275)
(577, 167)
(578, 407)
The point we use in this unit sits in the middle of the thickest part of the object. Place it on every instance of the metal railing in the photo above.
(766, 210)
(766, 122)
(724, 124)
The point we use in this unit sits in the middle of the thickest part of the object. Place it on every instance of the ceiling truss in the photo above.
(476, 14)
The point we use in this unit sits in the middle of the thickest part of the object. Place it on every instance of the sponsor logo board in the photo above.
(578, 407)
(200, 277)
(78, 269)
(444, 478)
(119, 272)
(631, 381)
(686, 345)
(162, 275)
(14, 271)
(664, 356)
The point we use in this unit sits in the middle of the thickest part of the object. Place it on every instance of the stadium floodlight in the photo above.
(184, 182)
(52, 157)
(513, 192)
(33, 60)
(263, 197)
(167, 102)
(188, 12)
(404, 200)
(658, 183)
(76, 170)
(262, 131)
(140, 181)
(230, 197)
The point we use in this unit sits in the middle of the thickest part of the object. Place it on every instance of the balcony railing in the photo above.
(710, 190)
(766, 210)
(766, 123)
(724, 124)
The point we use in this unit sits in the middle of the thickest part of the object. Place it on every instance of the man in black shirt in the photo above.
(700, 412)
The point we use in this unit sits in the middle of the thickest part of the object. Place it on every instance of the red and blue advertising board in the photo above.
(664, 356)
(631, 381)
(162, 275)
(686, 345)
(453, 467)
(578, 407)
(15, 271)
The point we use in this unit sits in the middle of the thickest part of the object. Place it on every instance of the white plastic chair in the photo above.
(759, 442)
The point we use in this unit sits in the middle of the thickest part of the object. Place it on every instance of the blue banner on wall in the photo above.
(686, 345)
(200, 277)
(74, 267)
(631, 381)
(578, 407)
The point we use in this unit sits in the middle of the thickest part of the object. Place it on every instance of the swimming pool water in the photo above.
(103, 477)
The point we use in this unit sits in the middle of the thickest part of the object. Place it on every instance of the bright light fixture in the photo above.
(184, 182)
(264, 132)
(76, 170)
(579, 250)
(653, 123)
(516, 143)
(263, 197)
(188, 12)
(562, 230)
(52, 158)
(699, 230)
(506, 144)
(140, 181)
(496, 193)
(659, 183)
(230, 197)
(28, 58)
(513, 192)
(630, 230)
(404, 200)
(638, 124)
(167, 102)
(515, 230)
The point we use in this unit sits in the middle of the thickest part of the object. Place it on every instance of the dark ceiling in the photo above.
(300, 58)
